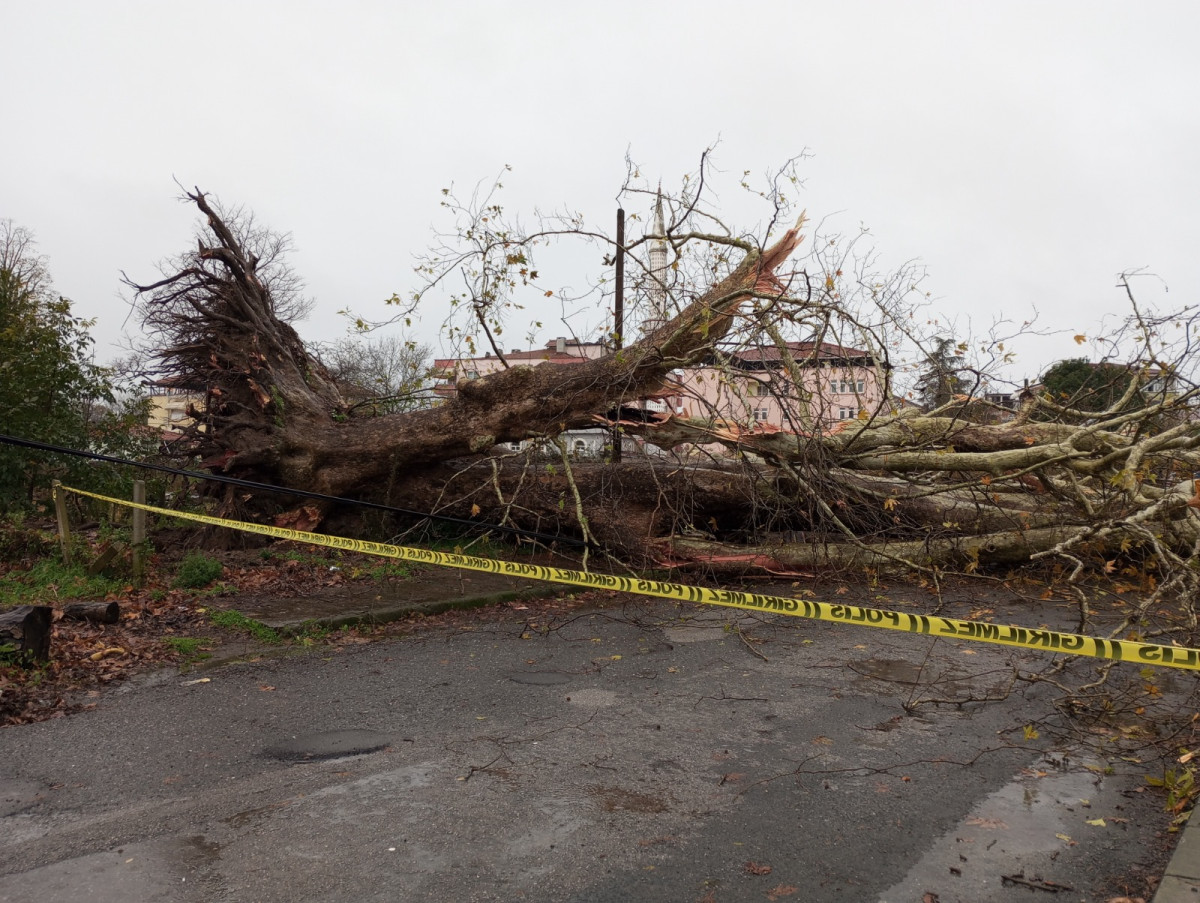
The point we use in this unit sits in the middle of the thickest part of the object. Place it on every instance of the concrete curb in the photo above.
(386, 614)
(1181, 882)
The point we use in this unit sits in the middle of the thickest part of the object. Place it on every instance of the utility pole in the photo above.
(619, 322)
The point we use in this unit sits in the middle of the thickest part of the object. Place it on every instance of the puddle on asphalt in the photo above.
(614, 799)
(705, 629)
(18, 794)
(1023, 829)
(328, 745)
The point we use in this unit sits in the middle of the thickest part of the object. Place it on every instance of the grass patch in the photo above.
(186, 645)
(197, 571)
(49, 581)
(231, 619)
(191, 649)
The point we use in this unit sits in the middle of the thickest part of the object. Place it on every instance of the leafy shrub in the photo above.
(197, 571)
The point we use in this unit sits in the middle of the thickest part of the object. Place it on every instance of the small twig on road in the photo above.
(1052, 887)
(724, 697)
(908, 707)
(749, 645)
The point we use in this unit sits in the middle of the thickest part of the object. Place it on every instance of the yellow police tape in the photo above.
(931, 625)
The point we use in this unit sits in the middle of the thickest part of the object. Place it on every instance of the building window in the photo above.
(761, 414)
(833, 388)
(846, 414)
(861, 386)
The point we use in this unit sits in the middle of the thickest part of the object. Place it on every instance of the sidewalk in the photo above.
(1182, 879)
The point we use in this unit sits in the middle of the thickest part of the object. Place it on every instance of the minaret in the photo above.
(657, 314)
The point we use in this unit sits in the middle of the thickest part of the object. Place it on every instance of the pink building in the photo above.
(753, 386)
(749, 386)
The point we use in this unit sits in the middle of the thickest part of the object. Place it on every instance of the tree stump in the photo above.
(26, 628)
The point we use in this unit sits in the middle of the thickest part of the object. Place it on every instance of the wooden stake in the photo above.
(64, 522)
(139, 532)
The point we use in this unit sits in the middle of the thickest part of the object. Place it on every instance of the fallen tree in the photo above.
(969, 484)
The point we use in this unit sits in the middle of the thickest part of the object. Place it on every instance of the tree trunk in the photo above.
(903, 487)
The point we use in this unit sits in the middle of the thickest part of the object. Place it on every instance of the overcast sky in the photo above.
(1024, 153)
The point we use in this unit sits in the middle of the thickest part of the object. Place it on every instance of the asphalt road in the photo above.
(644, 752)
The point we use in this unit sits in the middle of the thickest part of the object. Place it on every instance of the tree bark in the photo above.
(93, 612)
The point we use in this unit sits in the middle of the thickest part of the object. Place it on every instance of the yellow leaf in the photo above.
(474, 511)
(1065, 838)
(889, 504)
(1097, 822)
(1080, 339)
(1030, 732)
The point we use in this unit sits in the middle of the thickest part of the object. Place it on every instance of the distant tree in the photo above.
(382, 375)
(50, 389)
(940, 379)
(1078, 383)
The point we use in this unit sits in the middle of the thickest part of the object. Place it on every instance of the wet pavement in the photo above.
(644, 751)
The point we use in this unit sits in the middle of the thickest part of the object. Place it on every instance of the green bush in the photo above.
(197, 571)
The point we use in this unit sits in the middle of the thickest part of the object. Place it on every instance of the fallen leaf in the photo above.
(266, 688)
(757, 868)
(784, 890)
(928, 897)
(1097, 822)
(1065, 838)
(107, 653)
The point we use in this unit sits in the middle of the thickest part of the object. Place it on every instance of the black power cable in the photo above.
(302, 493)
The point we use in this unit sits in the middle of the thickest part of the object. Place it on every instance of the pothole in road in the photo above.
(328, 745)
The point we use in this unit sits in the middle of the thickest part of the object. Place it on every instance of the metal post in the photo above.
(64, 522)
(619, 320)
(139, 532)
